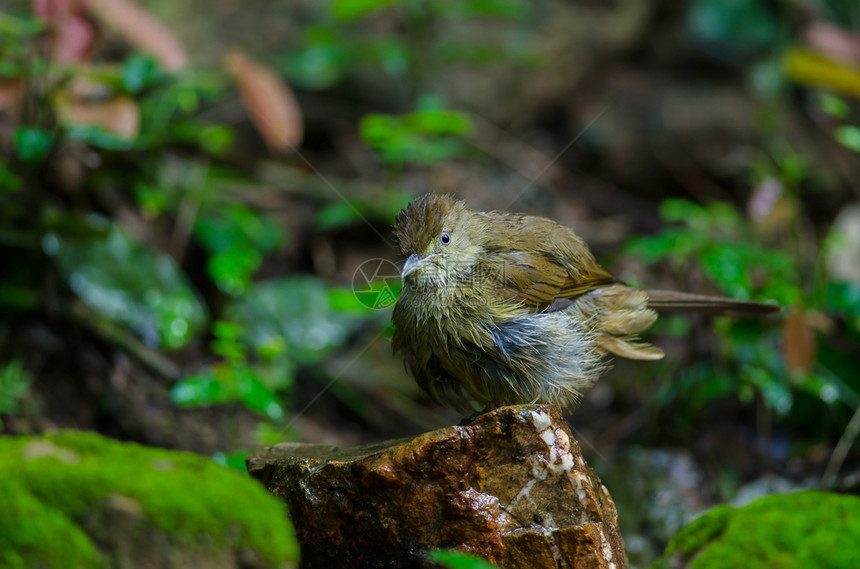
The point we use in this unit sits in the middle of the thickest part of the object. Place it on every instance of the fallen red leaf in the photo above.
(270, 102)
(799, 345)
(118, 115)
(11, 91)
(834, 41)
(142, 30)
(72, 34)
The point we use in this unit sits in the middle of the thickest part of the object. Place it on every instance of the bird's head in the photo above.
(440, 237)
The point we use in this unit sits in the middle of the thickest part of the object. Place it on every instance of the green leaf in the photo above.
(294, 312)
(75, 225)
(381, 207)
(232, 269)
(100, 138)
(17, 297)
(234, 460)
(458, 560)
(843, 297)
(378, 294)
(655, 248)
(426, 136)
(743, 27)
(725, 265)
(20, 27)
(440, 122)
(237, 237)
(215, 138)
(336, 214)
(227, 227)
(152, 200)
(127, 283)
(833, 106)
(228, 382)
(198, 390)
(14, 383)
(138, 72)
(322, 60)
(776, 394)
(681, 210)
(392, 54)
(849, 137)
(256, 396)
(509, 9)
(347, 10)
(32, 144)
(9, 181)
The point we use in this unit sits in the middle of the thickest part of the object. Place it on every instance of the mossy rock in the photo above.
(76, 500)
(805, 530)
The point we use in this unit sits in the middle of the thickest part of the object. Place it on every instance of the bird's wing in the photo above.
(545, 267)
(537, 281)
(541, 262)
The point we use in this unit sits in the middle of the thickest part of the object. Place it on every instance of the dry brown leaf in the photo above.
(118, 115)
(270, 102)
(11, 91)
(799, 345)
(142, 30)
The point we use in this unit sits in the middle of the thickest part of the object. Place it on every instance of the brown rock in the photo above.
(511, 486)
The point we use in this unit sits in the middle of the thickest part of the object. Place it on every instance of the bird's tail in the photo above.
(671, 301)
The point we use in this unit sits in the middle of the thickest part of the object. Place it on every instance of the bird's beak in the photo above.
(415, 262)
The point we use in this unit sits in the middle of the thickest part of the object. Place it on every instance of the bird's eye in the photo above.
(445, 239)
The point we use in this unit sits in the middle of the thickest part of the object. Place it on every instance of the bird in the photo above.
(500, 308)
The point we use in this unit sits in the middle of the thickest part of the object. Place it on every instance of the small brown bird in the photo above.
(500, 308)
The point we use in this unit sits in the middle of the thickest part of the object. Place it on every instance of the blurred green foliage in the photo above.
(237, 239)
(429, 135)
(14, 383)
(163, 232)
(338, 46)
(128, 283)
(199, 268)
(453, 559)
(745, 28)
(334, 46)
(724, 244)
(730, 252)
(173, 169)
(180, 172)
(261, 348)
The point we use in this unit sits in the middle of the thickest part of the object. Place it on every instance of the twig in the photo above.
(846, 441)
(81, 314)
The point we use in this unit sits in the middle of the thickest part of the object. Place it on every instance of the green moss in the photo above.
(69, 475)
(25, 523)
(701, 531)
(808, 530)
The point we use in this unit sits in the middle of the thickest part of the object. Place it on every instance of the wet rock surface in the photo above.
(511, 487)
